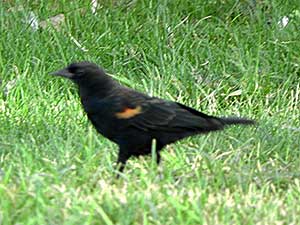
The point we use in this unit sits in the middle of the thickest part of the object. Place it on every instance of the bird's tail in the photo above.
(236, 120)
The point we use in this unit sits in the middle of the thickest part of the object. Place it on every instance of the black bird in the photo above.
(132, 119)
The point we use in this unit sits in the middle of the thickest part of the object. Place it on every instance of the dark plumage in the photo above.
(132, 119)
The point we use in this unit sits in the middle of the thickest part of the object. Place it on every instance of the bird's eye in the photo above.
(76, 71)
(79, 72)
(73, 69)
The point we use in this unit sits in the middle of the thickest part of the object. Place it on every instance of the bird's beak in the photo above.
(63, 73)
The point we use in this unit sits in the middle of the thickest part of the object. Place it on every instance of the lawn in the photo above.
(221, 57)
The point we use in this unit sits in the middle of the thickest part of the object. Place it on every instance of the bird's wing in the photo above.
(135, 109)
(147, 113)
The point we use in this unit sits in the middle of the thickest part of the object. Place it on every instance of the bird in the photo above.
(132, 119)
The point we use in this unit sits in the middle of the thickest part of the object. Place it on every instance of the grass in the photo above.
(223, 58)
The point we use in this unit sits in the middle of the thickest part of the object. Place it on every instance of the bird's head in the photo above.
(80, 71)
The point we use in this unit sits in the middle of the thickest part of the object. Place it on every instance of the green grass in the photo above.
(221, 57)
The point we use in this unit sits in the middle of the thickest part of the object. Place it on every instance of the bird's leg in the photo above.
(155, 148)
(121, 162)
(160, 175)
(158, 149)
(158, 157)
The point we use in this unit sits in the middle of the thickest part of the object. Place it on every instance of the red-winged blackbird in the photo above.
(132, 119)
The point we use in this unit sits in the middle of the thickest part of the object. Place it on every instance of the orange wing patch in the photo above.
(128, 112)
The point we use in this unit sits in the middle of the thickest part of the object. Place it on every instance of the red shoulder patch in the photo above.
(129, 113)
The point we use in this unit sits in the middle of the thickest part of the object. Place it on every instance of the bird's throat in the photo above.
(100, 88)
